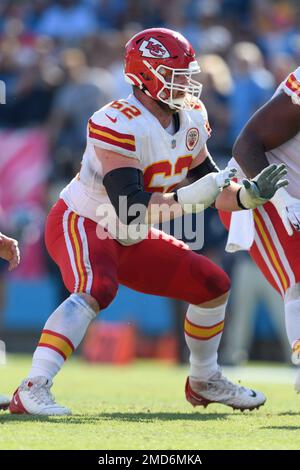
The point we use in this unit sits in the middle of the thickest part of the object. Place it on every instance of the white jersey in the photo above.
(128, 128)
(289, 152)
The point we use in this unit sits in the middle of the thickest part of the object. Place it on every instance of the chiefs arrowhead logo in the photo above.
(154, 49)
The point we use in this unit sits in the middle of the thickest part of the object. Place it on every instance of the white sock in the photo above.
(292, 313)
(203, 330)
(62, 333)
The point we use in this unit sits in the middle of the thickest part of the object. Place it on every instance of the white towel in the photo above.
(241, 230)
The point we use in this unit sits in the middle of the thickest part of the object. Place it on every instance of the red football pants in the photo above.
(276, 253)
(160, 265)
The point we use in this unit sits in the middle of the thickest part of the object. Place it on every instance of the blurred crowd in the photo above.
(61, 60)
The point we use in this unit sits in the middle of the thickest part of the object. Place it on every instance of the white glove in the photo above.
(288, 208)
(204, 191)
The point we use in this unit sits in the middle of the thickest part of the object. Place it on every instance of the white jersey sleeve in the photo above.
(205, 127)
(109, 129)
(291, 86)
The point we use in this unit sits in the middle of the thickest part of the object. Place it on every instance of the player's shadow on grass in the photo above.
(134, 417)
(161, 416)
(289, 413)
(282, 428)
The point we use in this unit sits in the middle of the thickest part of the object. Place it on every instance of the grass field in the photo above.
(143, 407)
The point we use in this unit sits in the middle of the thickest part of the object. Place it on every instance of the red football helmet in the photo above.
(161, 62)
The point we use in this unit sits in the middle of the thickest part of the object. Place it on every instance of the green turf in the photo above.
(143, 407)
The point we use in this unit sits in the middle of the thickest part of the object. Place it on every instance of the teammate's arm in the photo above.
(272, 125)
(9, 251)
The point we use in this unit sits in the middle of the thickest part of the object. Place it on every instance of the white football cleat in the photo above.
(218, 389)
(34, 397)
(4, 402)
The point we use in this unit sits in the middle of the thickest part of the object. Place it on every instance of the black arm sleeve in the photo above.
(208, 166)
(125, 188)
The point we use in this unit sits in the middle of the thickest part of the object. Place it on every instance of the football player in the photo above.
(138, 150)
(272, 135)
(9, 251)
